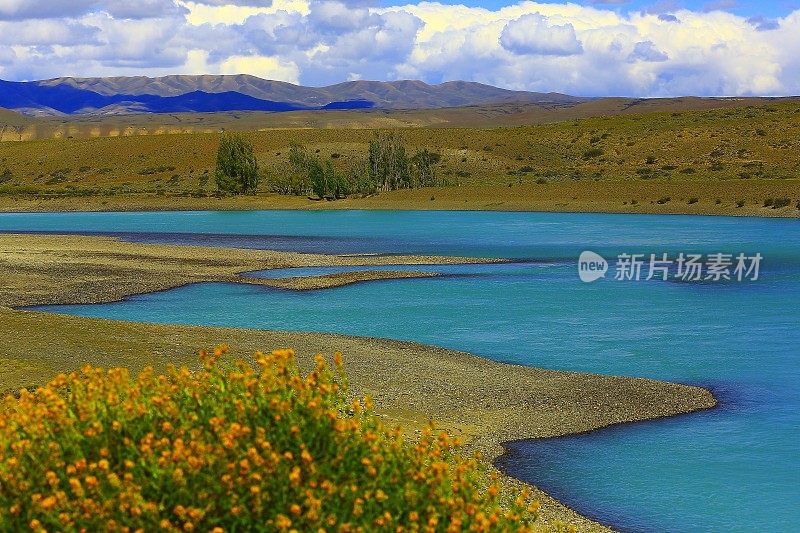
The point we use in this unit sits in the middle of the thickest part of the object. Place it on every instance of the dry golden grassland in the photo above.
(724, 161)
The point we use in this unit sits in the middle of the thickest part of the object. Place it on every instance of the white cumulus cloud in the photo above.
(534, 34)
(594, 50)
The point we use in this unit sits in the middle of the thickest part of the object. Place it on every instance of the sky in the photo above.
(642, 48)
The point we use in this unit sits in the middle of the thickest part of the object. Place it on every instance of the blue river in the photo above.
(733, 468)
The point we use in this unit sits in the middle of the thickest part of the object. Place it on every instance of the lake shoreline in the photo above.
(48, 269)
(484, 402)
(571, 503)
(711, 198)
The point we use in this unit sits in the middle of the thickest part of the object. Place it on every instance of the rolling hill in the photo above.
(114, 122)
(176, 94)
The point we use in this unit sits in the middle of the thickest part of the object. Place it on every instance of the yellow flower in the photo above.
(294, 475)
(282, 522)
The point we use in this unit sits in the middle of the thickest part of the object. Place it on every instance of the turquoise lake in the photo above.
(734, 468)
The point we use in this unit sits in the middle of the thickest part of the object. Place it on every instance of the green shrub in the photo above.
(593, 152)
(59, 176)
(778, 203)
(740, 203)
(664, 200)
(693, 200)
(229, 448)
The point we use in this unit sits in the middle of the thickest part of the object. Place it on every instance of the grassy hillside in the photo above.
(15, 127)
(745, 152)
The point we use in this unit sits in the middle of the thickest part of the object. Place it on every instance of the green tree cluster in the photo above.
(237, 168)
(386, 167)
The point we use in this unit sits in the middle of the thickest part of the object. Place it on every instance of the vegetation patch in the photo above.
(385, 167)
(237, 168)
(593, 152)
(777, 203)
(232, 448)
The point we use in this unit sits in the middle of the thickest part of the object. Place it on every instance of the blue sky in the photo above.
(641, 48)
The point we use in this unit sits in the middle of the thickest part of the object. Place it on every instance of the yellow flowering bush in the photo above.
(230, 448)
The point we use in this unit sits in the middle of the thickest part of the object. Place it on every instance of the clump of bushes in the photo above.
(59, 176)
(592, 153)
(231, 448)
(386, 166)
(777, 203)
(664, 200)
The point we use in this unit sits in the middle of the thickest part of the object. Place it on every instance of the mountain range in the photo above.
(182, 94)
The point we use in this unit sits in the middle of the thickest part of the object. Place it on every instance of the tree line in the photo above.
(385, 167)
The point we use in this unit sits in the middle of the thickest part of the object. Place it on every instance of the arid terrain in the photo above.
(730, 161)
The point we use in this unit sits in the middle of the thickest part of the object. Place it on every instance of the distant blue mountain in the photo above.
(35, 97)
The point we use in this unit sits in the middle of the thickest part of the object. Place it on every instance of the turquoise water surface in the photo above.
(734, 468)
